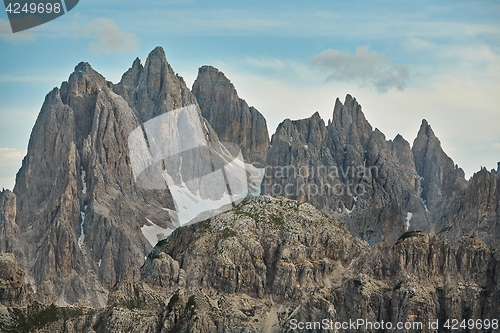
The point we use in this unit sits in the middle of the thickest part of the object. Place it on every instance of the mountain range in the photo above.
(348, 224)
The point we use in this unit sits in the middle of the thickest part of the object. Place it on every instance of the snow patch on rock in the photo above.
(154, 233)
(408, 218)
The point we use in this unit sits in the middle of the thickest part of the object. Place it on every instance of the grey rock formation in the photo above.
(349, 171)
(8, 228)
(13, 289)
(272, 260)
(154, 88)
(475, 212)
(230, 116)
(79, 209)
(441, 180)
(74, 219)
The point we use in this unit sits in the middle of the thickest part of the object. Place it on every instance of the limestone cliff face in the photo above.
(476, 211)
(441, 180)
(348, 170)
(271, 260)
(79, 209)
(9, 230)
(230, 116)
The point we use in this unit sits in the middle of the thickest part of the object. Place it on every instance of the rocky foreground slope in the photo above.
(271, 261)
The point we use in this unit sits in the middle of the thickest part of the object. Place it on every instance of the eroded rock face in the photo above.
(441, 180)
(79, 209)
(13, 289)
(348, 170)
(8, 227)
(475, 212)
(271, 260)
(230, 116)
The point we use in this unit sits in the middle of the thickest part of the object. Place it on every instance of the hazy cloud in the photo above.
(7, 35)
(108, 38)
(9, 154)
(26, 78)
(364, 68)
(272, 64)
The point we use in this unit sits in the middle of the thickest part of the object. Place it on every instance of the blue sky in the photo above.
(402, 61)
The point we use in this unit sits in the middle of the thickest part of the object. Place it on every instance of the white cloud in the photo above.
(9, 154)
(7, 35)
(108, 38)
(364, 68)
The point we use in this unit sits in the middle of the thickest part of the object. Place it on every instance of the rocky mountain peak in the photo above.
(440, 179)
(154, 88)
(302, 134)
(426, 133)
(158, 52)
(316, 116)
(137, 63)
(399, 138)
(212, 85)
(77, 203)
(156, 61)
(230, 116)
(83, 67)
(355, 157)
(350, 113)
(83, 81)
(349, 124)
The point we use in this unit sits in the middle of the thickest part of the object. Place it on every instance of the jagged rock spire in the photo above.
(440, 179)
